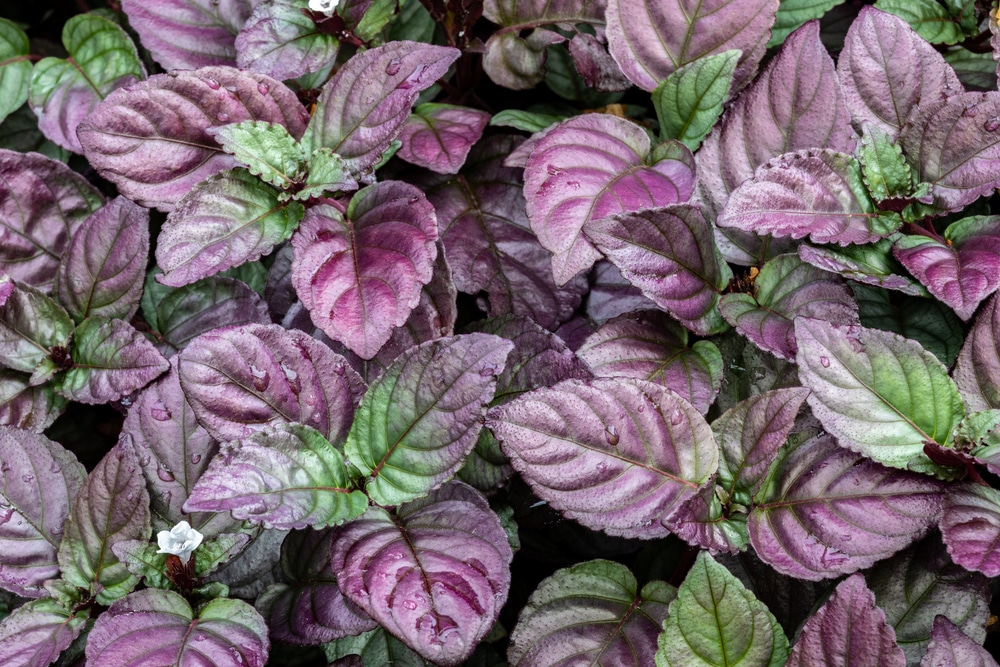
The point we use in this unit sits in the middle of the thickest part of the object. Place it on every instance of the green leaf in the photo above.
(885, 170)
(715, 620)
(31, 324)
(375, 17)
(375, 647)
(929, 18)
(20, 133)
(15, 68)
(793, 13)
(871, 264)
(413, 23)
(689, 101)
(266, 149)
(327, 174)
(142, 560)
(974, 70)
(526, 121)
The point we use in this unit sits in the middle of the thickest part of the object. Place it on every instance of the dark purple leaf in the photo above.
(962, 269)
(950, 647)
(25, 406)
(590, 167)
(670, 255)
(977, 371)
(31, 325)
(187, 34)
(422, 416)
(787, 288)
(611, 295)
(584, 448)
(650, 40)
(310, 609)
(36, 633)
(438, 136)
(887, 70)
(255, 568)
(150, 139)
(38, 482)
(435, 575)
(158, 627)
(360, 272)
(42, 203)
(243, 379)
(112, 506)
(648, 345)
(595, 65)
(363, 107)
(281, 40)
(847, 631)
(591, 612)
(871, 264)
(831, 511)
(970, 527)
(103, 269)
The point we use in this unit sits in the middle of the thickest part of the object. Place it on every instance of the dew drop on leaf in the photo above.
(263, 89)
(676, 417)
(195, 459)
(212, 83)
(992, 124)
(611, 435)
(825, 362)
(222, 116)
(27, 479)
(393, 67)
(164, 473)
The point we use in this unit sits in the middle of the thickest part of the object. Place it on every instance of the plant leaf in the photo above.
(977, 372)
(595, 65)
(950, 647)
(438, 136)
(101, 59)
(593, 611)
(870, 264)
(15, 70)
(612, 295)
(266, 149)
(847, 630)
(716, 621)
(679, 268)
(828, 511)
(243, 379)
(112, 506)
(793, 13)
(32, 408)
(590, 167)
(363, 107)
(359, 273)
(155, 626)
(327, 174)
(422, 416)
(584, 448)
(689, 101)
(283, 42)
(787, 288)
(37, 632)
(928, 18)
(703, 521)
(376, 647)
(880, 394)
(151, 139)
(31, 325)
(650, 40)
(886, 172)
(226, 220)
(435, 575)
(970, 527)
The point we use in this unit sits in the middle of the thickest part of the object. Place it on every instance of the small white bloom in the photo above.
(180, 540)
(327, 7)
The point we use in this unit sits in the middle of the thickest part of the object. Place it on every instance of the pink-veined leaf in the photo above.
(970, 527)
(950, 647)
(35, 634)
(439, 136)
(977, 371)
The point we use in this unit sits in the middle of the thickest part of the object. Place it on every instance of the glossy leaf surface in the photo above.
(690, 100)
(438, 136)
(870, 264)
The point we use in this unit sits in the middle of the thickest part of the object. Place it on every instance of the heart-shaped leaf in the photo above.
(584, 447)
(970, 527)
(828, 511)
(15, 70)
(651, 40)
(31, 326)
(590, 167)
(283, 42)
(977, 371)
(38, 481)
(847, 630)
(37, 632)
(438, 136)
(670, 255)
(648, 345)
(151, 139)
(870, 264)
(32, 408)
(243, 379)
(950, 647)
(359, 272)
(593, 611)
(689, 101)
(422, 416)
(435, 575)
(155, 626)
(880, 394)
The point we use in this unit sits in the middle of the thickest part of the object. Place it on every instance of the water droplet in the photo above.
(164, 473)
(575, 185)
(222, 116)
(676, 417)
(824, 362)
(554, 171)
(340, 370)
(393, 67)
(27, 479)
(5, 514)
(971, 111)
(261, 378)
(263, 89)
(290, 373)
(409, 604)
(641, 408)
(611, 435)
(487, 371)
(992, 124)
(196, 459)
(199, 638)
(602, 466)
(54, 468)
(370, 99)
(4, 467)
(212, 83)
(160, 413)
(130, 496)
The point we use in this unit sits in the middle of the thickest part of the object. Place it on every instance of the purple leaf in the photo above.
(832, 512)
(595, 65)
(103, 270)
(110, 359)
(310, 609)
(669, 254)
(648, 345)
(950, 647)
(962, 269)
(490, 246)
(819, 193)
(590, 167)
(281, 40)
(438, 136)
(584, 448)
(32, 408)
(787, 288)
(436, 395)
(255, 568)
(955, 147)
(651, 40)
(36, 633)
(887, 71)
(38, 481)
(591, 612)
(187, 34)
(158, 627)
(977, 371)
(702, 521)
(970, 527)
(363, 107)
(31, 326)
(284, 477)
(870, 264)
(435, 575)
(359, 272)
(847, 631)
(150, 139)
(112, 506)
(42, 203)
(243, 379)
(611, 295)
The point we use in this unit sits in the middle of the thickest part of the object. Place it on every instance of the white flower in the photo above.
(180, 540)
(327, 7)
